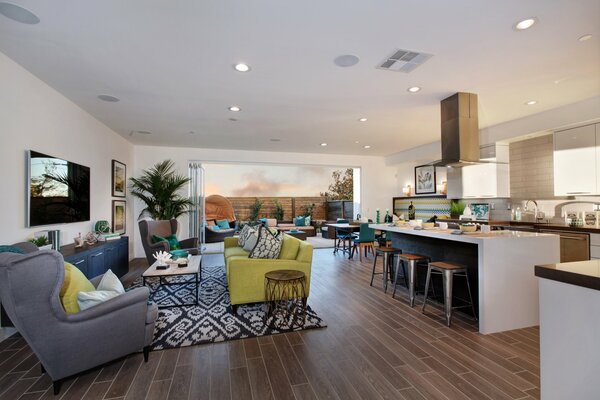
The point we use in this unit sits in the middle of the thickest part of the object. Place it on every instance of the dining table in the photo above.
(346, 227)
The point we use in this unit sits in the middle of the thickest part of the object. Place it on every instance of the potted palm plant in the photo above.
(159, 189)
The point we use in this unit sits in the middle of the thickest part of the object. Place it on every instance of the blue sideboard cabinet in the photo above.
(96, 259)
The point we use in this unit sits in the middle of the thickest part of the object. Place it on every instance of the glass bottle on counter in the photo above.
(411, 211)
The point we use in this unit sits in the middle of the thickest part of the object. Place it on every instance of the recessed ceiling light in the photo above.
(525, 24)
(363, 119)
(357, 142)
(414, 89)
(323, 144)
(19, 14)
(241, 67)
(367, 146)
(346, 60)
(106, 97)
(531, 102)
(234, 108)
(585, 37)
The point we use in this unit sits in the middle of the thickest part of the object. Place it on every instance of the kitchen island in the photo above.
(569, 326)
(500, 264)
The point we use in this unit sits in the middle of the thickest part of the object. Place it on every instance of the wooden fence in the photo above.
(292, 206)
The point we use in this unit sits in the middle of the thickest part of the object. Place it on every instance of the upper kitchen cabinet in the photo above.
(482, 180)
(576, 152)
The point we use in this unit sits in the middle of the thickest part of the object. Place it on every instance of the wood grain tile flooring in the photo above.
(374, 347)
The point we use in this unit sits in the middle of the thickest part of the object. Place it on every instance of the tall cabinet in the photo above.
(577, 161)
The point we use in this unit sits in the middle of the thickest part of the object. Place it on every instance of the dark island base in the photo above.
(442, 250)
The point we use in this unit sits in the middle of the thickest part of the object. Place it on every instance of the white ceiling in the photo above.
(170, 63)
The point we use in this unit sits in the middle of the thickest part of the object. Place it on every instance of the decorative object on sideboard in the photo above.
(90, 238)
(425, 179)
(102, 226)
(119, 178)
(119, 216)
(41, 242)
(444, 187)
(78, 240)
(377, 216)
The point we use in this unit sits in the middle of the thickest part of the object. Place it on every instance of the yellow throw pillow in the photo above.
(74, 283)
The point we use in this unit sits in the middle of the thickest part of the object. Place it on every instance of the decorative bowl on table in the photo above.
(468, 228)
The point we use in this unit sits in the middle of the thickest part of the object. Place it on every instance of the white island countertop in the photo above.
(504, 261)
(446, 234)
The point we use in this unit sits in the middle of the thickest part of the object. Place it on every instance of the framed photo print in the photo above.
(425, 179)
(119, 178)
(119, 216)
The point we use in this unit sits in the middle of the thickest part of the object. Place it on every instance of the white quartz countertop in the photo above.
(446, 234)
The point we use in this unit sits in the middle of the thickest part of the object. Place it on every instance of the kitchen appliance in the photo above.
(573, 246)
(460, 131)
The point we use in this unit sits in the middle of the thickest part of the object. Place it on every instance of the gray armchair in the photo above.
(163, 228)
(67, 344)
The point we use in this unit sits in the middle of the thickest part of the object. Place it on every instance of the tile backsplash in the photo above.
(532, 168)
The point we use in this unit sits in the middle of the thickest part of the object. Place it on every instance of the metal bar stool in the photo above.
(448, 271)
(388, 254)
(411, 260)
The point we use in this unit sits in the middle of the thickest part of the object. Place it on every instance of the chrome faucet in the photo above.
(535, 210)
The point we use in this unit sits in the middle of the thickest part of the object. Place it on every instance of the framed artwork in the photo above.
(119, 216)
(425, 179)
(119, 178)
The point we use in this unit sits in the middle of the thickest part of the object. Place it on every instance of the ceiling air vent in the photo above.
(404, 60)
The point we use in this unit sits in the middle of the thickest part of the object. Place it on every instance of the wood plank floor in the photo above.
(374, 347)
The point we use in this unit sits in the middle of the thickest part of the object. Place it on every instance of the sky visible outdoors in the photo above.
(249, 180)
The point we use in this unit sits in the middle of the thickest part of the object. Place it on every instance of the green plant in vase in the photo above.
(40, 241)
(457, 207)
(278, 211)
(159, 189)
(255, 209)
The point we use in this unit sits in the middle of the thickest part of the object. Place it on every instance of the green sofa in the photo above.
(246, 276)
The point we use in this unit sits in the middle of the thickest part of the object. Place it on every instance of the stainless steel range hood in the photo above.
(460, 131)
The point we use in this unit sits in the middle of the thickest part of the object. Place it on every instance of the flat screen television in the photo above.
(58, 191)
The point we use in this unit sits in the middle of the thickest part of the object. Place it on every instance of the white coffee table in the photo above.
(194, 267)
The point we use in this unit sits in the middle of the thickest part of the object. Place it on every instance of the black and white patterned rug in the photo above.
(211, 320)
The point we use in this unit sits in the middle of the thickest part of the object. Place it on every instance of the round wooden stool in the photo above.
(285, 298)
(388, 254)
(411, 260)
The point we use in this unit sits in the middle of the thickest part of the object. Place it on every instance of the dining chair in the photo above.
(343, 236)
(365, 240)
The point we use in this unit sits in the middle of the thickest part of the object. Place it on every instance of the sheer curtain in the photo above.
(196, 214)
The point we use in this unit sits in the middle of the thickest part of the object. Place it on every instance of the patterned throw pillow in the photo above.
(251, 239)
(244, 233)
(307, 221)
(268, 244)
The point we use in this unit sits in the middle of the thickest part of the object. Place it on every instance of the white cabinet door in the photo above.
(479, 181)
(575, 161)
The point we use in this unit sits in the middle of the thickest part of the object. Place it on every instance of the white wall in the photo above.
(378, 183)
(562, 117)
(35, 116)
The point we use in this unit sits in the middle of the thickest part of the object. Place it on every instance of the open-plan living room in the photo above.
(290, 201)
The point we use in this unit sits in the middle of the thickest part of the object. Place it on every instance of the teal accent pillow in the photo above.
(223, 224)
(171, 239)
(300, 221)
(11, 249)
(215, 228)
